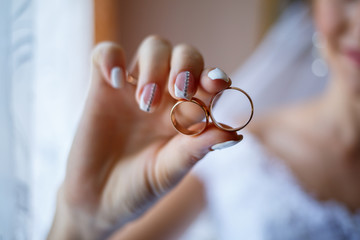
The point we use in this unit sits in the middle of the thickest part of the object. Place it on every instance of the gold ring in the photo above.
(183, 129)
(223, 126)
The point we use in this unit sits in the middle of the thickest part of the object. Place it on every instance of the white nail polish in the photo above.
(224, 145)
(143, 105)
(183, 93)
(117, 77)
(217, 73)
(146, 100)
(180, 94)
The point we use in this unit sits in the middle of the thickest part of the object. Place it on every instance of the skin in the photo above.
(318, 140)
(122, 159)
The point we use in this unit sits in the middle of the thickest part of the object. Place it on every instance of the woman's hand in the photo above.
(126, 153)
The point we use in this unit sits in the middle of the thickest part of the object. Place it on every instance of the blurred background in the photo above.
(45, 49)
(208, 25)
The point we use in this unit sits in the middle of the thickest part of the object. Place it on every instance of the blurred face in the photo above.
(338, 22)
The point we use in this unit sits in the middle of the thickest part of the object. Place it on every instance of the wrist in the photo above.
(63, 226)
(69, 223)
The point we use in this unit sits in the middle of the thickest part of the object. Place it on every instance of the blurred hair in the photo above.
(272, 10)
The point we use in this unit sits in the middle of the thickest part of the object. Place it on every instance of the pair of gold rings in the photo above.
(208, 113)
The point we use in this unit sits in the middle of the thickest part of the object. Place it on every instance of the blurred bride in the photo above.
(296, 175)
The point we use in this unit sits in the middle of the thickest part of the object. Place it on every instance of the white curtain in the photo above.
(44, 64)
(63, 31)
(16, 96)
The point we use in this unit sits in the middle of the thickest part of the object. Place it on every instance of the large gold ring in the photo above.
(223, 126)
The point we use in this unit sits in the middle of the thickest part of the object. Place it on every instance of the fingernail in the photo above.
(148, 96)
(224, 145)
(185, 85)
(217, 73)
(117, 77)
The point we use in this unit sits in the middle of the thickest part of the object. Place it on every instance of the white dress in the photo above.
(252, 195)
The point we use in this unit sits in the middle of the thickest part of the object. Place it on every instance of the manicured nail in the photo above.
(148, 96)
(217, 73)
(185, 85)
(117, 77)
(224, 145)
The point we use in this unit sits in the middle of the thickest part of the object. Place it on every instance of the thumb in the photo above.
(180, 154)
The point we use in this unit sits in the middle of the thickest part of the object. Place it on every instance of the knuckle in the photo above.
(183, 47)
(103, 49)
(188, 51)
(155, 39)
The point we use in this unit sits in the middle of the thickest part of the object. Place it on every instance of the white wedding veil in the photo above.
(281, 69)
(279, 72)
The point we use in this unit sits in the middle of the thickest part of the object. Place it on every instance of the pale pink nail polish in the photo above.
(148, 97)
(185, 85)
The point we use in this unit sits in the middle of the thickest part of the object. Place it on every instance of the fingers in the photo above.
(153, 64)
(212, 81)
(182, 152)
(186, 67)
(108, 64)
(182, 68)
(152, 70)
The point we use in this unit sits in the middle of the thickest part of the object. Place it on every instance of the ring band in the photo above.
(184, 130)
(131, 79)
(223, 126)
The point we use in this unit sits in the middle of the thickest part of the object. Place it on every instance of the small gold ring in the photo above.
(183, 129)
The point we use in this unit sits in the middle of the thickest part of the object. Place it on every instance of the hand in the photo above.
(123, 159)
